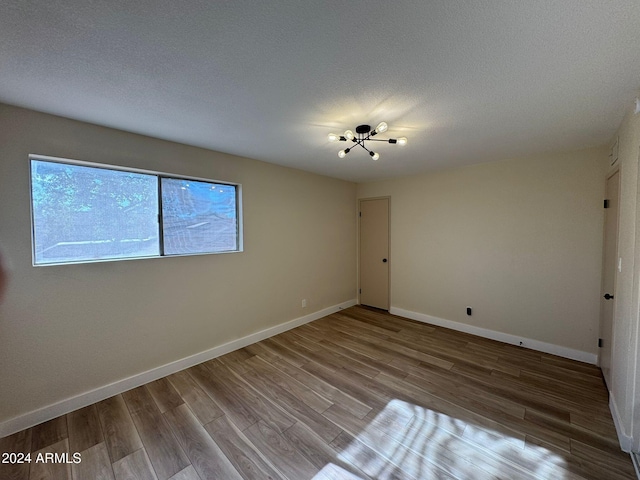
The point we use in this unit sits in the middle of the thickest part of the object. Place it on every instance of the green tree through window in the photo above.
(88, 213)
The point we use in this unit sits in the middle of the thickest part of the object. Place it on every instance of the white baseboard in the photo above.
(499, 336)
(626, 442)
(635, 459)
(65, 406)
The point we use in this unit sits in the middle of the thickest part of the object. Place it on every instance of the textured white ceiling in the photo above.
(466, 82)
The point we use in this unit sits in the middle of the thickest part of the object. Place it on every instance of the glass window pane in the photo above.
(198, 217)
(86, 213)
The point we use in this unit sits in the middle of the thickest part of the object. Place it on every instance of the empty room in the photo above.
(307, 240)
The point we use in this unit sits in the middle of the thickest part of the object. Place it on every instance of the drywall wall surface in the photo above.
(68, 329)
(519, 241)
(632, 354)
(625, 361)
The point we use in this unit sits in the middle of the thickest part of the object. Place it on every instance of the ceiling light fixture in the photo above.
(363, 134)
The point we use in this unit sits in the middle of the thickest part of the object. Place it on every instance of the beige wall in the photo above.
(67, 329)
(625, 365)
(519, 241)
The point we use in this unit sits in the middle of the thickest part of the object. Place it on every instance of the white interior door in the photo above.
(609, 269)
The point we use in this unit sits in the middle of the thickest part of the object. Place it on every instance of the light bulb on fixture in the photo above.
(382, 127)
(363, 134)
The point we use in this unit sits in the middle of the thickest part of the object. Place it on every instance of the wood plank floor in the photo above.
(359, 394)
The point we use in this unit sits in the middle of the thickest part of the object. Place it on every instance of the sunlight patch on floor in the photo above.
(424, 442)
(332, 471)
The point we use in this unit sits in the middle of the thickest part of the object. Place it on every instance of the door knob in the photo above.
(384, 260)
(607, 296)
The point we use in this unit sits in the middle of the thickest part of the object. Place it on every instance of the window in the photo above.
(198, 217)
(87, 212)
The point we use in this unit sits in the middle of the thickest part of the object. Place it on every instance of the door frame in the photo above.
(360, 200)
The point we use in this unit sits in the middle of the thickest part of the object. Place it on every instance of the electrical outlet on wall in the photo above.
(304, 303)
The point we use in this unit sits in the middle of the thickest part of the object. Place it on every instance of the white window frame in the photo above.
(159, 175)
